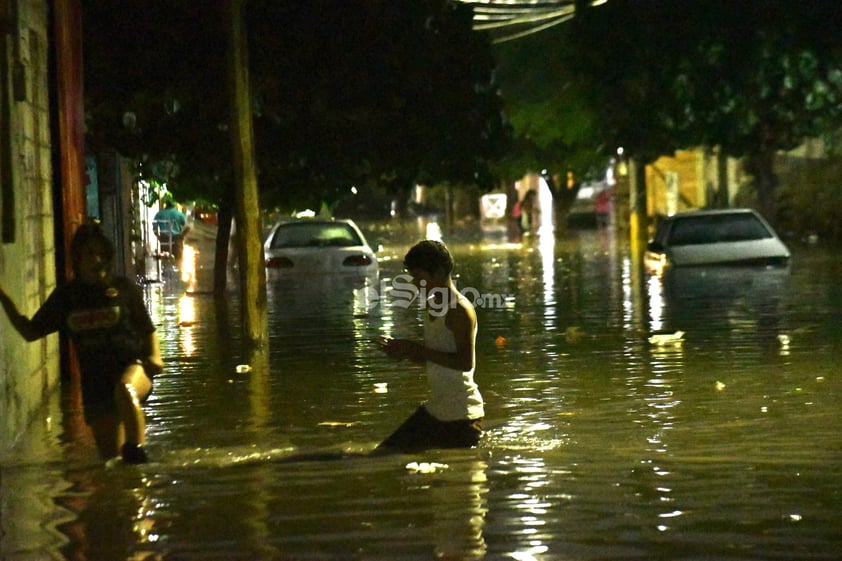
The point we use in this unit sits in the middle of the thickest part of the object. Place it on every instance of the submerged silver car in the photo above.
(309, 246)
(715, 238)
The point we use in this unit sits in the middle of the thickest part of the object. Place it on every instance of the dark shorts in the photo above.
(423, 431)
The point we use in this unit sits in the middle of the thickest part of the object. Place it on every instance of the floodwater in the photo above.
(600, 444)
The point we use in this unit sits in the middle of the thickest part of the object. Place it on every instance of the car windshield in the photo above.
(315, 234)
(717, 228)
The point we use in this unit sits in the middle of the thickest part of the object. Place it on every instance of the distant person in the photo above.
(452, 416)
(602, 207)
(171, 227)
(115, 341)
(517, 212)
(527, 212)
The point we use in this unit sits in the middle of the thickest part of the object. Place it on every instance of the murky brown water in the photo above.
(600, 444)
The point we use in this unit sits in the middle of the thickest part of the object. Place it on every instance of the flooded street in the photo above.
(601, 441)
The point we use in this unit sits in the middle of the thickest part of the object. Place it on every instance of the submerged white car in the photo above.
(311, 246)
(715, 238)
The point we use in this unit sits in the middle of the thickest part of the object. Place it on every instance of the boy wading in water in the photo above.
(452, 416)
(115, 342)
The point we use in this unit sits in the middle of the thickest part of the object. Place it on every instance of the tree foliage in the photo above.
(554, 125)
(752, 77)
(346, 93)
(766, 82)
(378, 92)
(155, 90)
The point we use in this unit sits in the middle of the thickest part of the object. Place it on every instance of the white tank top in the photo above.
(453, 394)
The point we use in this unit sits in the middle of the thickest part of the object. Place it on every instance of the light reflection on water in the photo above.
(599, 444)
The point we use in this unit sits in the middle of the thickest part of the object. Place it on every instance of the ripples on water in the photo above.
(599, 445)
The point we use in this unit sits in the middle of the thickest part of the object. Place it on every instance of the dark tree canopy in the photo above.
(346, 93)
(554, 125)
(372, 92)
(750, 76)
(155, 89)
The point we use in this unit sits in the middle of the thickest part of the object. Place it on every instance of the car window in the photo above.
(693, 230)
(315, 234)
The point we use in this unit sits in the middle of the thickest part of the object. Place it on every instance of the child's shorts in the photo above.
(423, 431)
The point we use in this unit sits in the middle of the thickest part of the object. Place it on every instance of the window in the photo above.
(695, 230)
(315, 234)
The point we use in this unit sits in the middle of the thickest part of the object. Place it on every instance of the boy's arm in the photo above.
(461, 322)
(20, 322)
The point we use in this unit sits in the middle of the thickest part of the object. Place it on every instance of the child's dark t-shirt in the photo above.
(108, 325)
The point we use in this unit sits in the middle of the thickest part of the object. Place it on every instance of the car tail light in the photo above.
(278, 263)
(360, 260)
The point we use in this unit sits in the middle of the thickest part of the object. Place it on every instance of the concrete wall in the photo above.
(28, 371)
(697, 175)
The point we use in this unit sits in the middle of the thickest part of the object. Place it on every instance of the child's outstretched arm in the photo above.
(20, 322)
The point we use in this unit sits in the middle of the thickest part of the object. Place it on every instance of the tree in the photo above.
(154, 92)
(751, 77)
(783, 83)
(371, 93)
(347, 94)
(554, 125)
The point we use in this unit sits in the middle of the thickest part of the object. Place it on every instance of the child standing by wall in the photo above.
(114, 337)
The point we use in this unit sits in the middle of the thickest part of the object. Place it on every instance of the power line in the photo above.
(513, 19)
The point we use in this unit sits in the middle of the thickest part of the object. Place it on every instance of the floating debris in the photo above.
(425, 467)
(664, 339)
(243, 368)
(342, 424)
(573, 334)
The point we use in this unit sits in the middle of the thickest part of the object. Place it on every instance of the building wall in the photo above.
(697, 176)
(29, 372)
(684, 168)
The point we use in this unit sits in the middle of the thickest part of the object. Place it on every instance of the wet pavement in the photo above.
(602, 442)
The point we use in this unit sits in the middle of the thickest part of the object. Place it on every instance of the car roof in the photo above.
(293, 220)
(711, 212)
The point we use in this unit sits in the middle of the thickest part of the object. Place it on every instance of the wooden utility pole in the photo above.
(246, 204)
(638, 219)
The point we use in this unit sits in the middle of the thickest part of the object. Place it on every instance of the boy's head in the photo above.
(429, 256)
